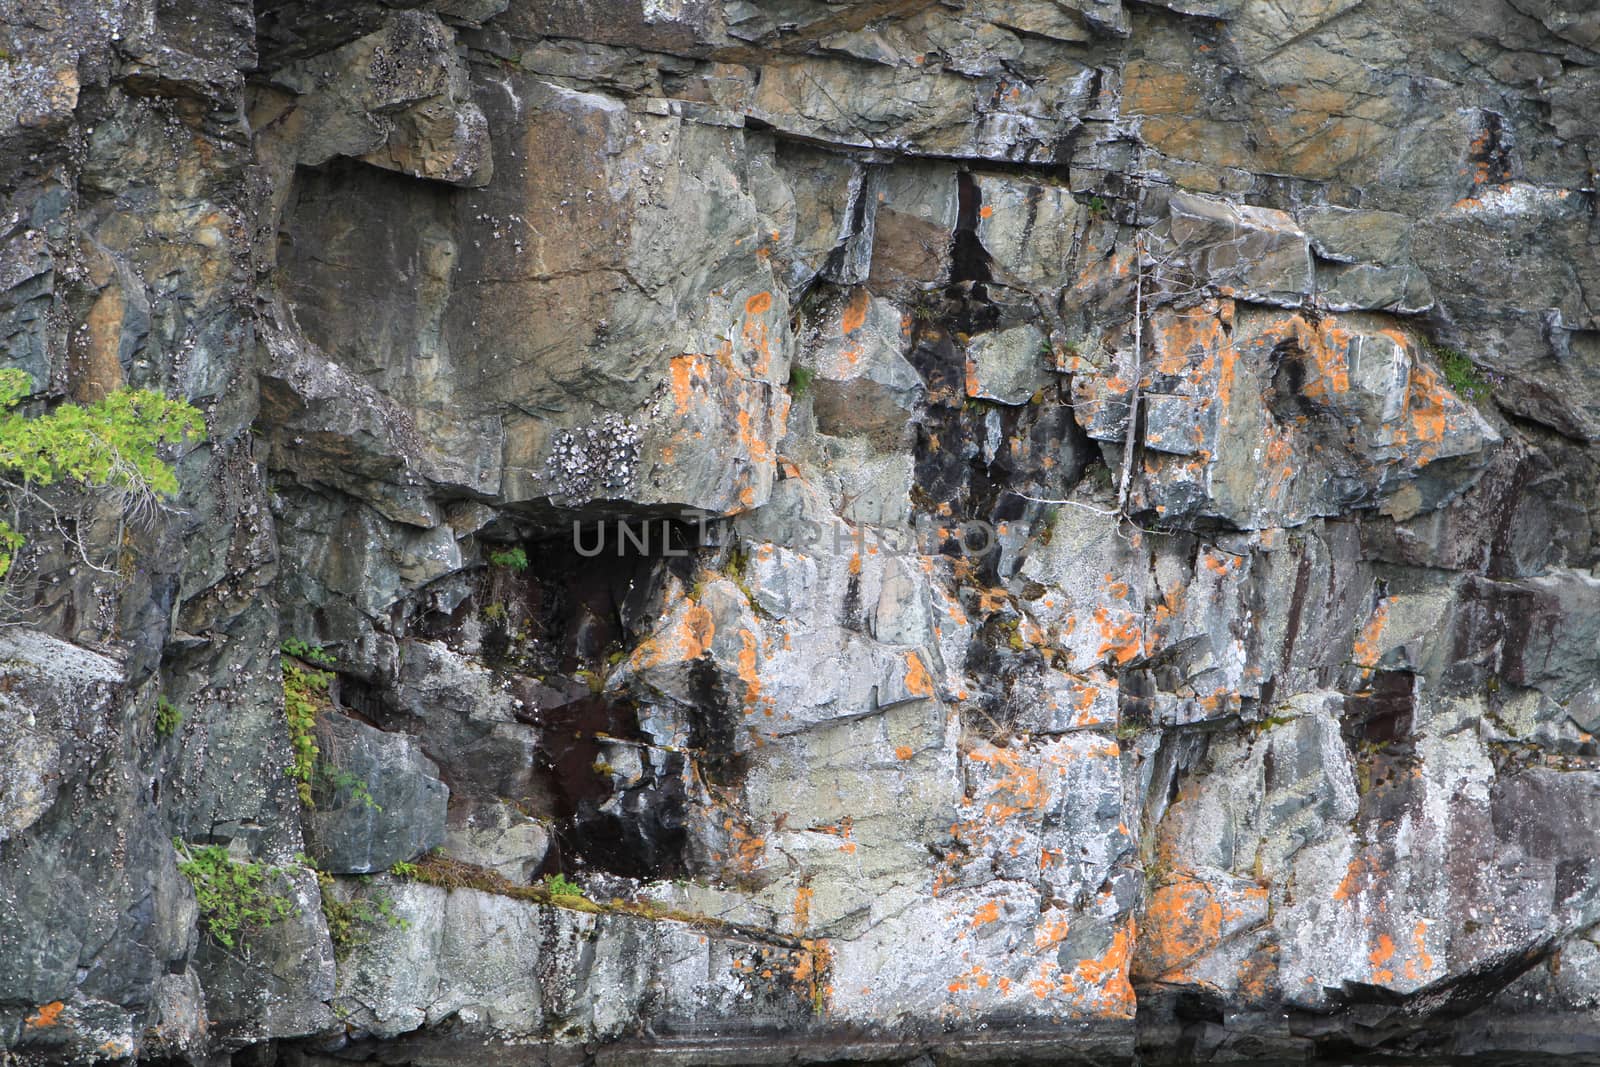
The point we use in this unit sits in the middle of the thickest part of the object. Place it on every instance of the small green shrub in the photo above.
(350, 922)
(233, 897)
(342, 781)
(310, 653)
(402, 869)
(558, 885)
(1097, 206)
(110, 443)
(168, 717)
(514, 558)
(799, 381)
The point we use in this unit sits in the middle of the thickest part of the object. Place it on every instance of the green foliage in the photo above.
(1097, 206)
(233, 897)
(402, 869)
(1463, 375)
(110, 443)
(799, 381)
(557, 885)
(299, 649)
(515, 558)
(350, 922)
(10, 541)
(343, 781)
(168, 717)
(304, 690)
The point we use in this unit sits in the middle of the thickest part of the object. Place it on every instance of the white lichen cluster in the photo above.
(599, 459)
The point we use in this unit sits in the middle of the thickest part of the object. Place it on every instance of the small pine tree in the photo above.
(110, 443)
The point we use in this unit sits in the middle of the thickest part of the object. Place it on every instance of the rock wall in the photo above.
(989, 530)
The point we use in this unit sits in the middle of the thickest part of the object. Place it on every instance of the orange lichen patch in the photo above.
(989, 913)
(1050, 933)
(918, 683)
(1186, 343)
(1109, 991)
(698, 629)
(682, 370)
(1121, 640)
(1188, 918)
(1381, 955)
(750, 675)
(855, 312)
(903, 752)
(802, 908)
(973, 386)
(1258, 975)
(745, 846)
(812, 962)
(1182, 922)
(855, 563)
(1419, 939)
(986, 211)
(1426, 421)
(46, 1016)
(1362, 871)
(754, 443)
(1368, 648)
(755, 332)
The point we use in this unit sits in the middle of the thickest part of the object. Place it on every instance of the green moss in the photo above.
(514, 558)
(1461, 374)
(1274, 721)
(799, 381)
(233, 897)
(168, 717)
(111, 443)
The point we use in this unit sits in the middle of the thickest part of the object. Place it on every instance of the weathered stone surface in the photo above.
(381, 801)
(1008, 366)
(1249, 253)
(698, 431)
(398, 99)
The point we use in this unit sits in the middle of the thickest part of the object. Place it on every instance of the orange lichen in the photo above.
(1381, 955)
(1361, 870)
(918, 683)
(802, 908)
(46, 1016)
(1121, 640)
(855, 312)
(1368, 648)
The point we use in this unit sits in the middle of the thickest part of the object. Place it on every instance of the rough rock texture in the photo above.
(1053, 529)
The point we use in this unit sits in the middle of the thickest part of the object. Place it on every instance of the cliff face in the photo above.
(1027, 527)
